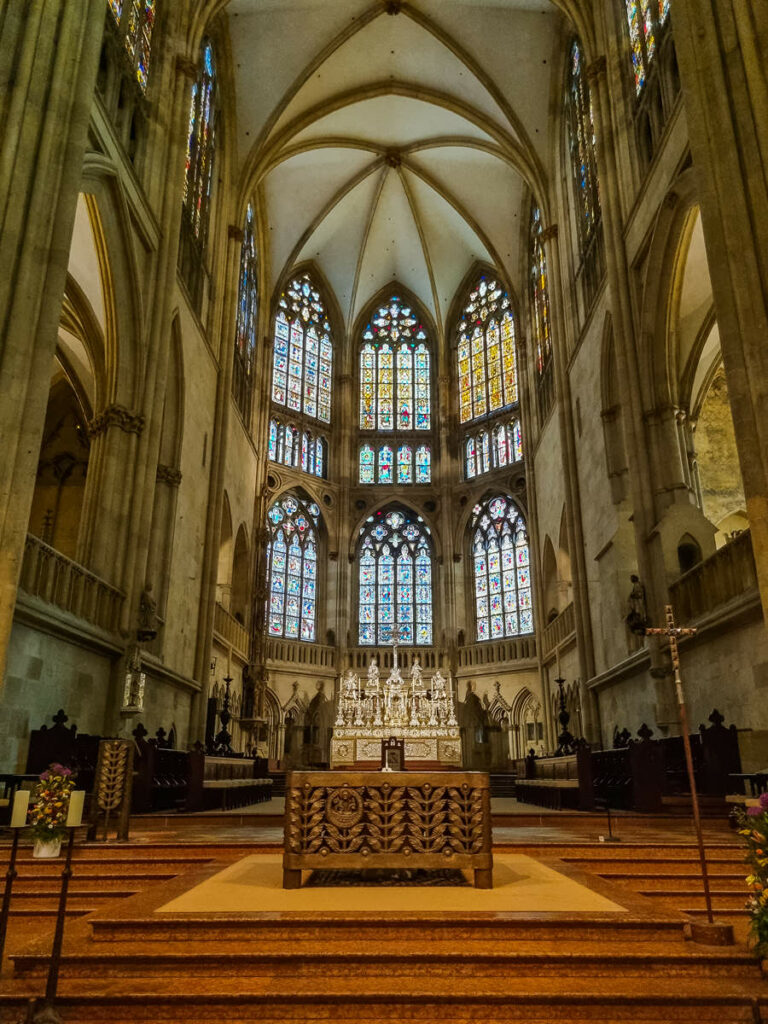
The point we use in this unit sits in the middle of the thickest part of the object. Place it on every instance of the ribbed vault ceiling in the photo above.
(393, 147)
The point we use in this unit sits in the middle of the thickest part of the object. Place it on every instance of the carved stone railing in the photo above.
(294, 652)
(727, 574)
(494, 652)
(230, 631)
(558, 630)
(56, 579)
(359, 658)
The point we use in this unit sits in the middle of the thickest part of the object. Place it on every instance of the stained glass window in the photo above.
(404, 464)
(486, 352)
(385, 465)
(247, 319)
(644, 19)
(292, 568)
(302, 363)
(394, 371)
(200, 147)
(116, 6)
(395, 580)
(423, 465)
(539, 293)
(367, 467)
(503, 603)
(289, 447)
(582, 145)
(487, 450)
(138, 37)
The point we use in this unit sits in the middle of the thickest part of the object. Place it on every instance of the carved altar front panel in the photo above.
(387, 820)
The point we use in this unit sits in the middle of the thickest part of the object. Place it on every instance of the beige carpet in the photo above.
(521, 884)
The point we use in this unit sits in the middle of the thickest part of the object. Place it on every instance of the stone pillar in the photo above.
(650, 560)
(583, 620)
(219, 438)
(722, 49)
(47, 77)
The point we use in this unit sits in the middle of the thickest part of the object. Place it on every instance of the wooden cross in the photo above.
(673, 633)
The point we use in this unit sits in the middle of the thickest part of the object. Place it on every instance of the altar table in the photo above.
(387, 820)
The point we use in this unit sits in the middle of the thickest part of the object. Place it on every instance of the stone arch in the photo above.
(549, 581)
(240, 597)
(226, 554)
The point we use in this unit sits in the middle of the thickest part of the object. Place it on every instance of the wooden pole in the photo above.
(718, 934)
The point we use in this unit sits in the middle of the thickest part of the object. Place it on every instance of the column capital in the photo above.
(116, 416)
(598, 68)
(186, 66)
(548, 233)
(168, 475)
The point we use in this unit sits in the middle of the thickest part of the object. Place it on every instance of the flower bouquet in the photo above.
(50, 800)
(753, 828)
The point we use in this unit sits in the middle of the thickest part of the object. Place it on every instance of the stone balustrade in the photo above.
(558, 630)
(360, 658)
(56, 579)
(727, 574)
(230, 631)
(497, 651)
(295, 652)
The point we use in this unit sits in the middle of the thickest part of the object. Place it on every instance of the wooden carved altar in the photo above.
(387, 820)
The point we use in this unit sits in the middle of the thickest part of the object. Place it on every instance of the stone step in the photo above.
(520, 995)
(499, 928)
(338, 960)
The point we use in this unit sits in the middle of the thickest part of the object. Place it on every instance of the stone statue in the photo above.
(373, 672)
(416, 673)
(637, 617)
(147, 615)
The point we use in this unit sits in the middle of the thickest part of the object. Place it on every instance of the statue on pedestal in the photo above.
(637, 615)
(147, 615)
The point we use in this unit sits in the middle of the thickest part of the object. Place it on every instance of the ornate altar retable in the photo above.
(387, 820)
(418, 711)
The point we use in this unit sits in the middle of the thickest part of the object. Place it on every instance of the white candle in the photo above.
(75, 812)
(20, 808)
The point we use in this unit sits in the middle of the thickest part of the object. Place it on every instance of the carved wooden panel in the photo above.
(370, 819)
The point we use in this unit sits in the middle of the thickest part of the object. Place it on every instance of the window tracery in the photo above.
(394, 371)
(582, 146)
(302, 362)
(395, 580)
(503, 602)
(292, 568)
(247, 319)
(486, 352)
(138, 38)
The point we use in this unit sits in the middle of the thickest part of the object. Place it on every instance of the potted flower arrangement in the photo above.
(50, 799)
(753, 828)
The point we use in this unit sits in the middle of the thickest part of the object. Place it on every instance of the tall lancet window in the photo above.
(645, 19)
(581, 132)
(138, 37)
(395, 580)
(200, 147)
(292, 568)
(135, 20)
(540, 319)
(503, 603)
(247, 319)
(394, 371)
(486, 352)
(302, 358)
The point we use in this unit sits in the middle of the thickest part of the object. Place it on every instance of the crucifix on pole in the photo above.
(711, 932)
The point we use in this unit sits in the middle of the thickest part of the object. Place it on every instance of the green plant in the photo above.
(50, 803)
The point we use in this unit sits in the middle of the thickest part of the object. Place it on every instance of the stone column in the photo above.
(582, 615)
(722, 49)
(649, 554)
(219, 438)
(50, 52)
